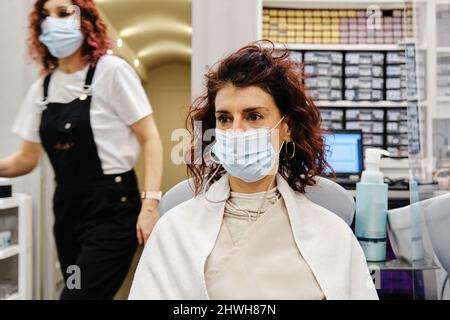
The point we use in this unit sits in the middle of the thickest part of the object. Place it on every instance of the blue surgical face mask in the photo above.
(60, 36)
(247, 155)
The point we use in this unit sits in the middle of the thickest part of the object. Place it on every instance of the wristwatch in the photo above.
(151, 195)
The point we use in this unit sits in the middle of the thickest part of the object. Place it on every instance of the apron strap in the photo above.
(89, 77)
(46, 84)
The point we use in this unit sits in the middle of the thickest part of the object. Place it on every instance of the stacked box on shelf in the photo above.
(395, 76)
(416, 123)
(352, 27)
(443, 77)
(370, 121)
(320, 27)
(409, 18)
(381, 127)
(386, 28)
(415, 73)
(328, 26)
(296, 56)
(397, 132)
(393, 27)
(332, 118)
(323, 74)
(364, 76)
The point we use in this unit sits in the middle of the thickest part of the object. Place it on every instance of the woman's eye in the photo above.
(64, 14)
(254, 116)
(223, 119)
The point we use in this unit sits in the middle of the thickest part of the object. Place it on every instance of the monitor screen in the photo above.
(344, 153)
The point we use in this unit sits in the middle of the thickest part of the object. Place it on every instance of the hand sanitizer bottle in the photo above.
(371, 207)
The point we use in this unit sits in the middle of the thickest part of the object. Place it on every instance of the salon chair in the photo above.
(325, 193)
(437, 220)
(431, 218)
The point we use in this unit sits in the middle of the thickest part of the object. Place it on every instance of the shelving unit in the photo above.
(15, 260)
(437, 116)
(310, 14)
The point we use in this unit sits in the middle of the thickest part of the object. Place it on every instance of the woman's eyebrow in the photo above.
(251, 109)
(63, 8)
(247, 110)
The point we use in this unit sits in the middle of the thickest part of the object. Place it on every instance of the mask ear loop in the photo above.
(274, 176)
(278, 123)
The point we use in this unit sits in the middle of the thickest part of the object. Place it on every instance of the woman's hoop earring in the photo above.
(293, 150)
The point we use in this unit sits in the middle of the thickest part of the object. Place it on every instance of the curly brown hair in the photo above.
(96, 41)
(260, 64)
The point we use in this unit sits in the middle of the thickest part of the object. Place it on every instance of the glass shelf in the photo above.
(403, 265)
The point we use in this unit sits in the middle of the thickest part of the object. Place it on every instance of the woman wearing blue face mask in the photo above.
(250, 233)
(90, 114)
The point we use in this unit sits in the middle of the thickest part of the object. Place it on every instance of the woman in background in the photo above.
(253, 234)
(90, 114)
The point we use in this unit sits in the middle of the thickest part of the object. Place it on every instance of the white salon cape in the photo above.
(172, 265)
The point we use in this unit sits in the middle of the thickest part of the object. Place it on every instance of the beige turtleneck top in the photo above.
(243, 209)
(255, 255)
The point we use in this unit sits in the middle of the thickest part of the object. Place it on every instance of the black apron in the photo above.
(95, 213)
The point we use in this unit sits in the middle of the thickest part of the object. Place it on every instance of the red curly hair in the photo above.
(96, 41)
(259, 64)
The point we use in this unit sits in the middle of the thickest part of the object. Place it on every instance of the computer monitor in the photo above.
(344, 152)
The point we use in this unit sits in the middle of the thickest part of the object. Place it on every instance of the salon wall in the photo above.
(168, 88)
(221, 27)
(15, 78)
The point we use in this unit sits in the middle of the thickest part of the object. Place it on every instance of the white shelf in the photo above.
(360, 104)
(340, 47)
(334, 4)
(9, 252)
(14, 296)
(443, 99)
(8, 203)
(442, 2)
(443, 50)
(442, 112)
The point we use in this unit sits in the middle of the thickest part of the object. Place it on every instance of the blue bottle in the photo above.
(371, 207)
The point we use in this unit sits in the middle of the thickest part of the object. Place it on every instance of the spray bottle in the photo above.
(371, 207)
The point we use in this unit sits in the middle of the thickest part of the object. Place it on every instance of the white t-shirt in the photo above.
(118, 101)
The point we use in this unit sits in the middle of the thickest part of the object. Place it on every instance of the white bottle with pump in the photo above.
(371, 207)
